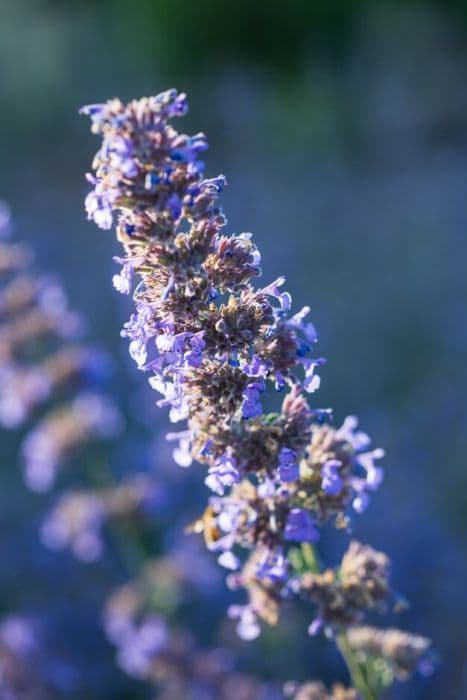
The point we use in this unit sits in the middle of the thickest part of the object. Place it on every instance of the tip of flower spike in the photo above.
(175, 101)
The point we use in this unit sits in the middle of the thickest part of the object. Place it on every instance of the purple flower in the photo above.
(312, 381)
(223, 474)
(93, 110)
(256, 367)
(284, 298)
(331, 482)
(189, 152)
(141, 644)
(194, 358)
(357, 438)
(230, 512)
(288, 466)
(175, 206)
(374, 474)
(123, 281)
(173, 397)
(280, 380)
(247, 626)
(182, 454)
(300, 526)
(316, 627)
(272, 565)
(99, 203)
(137, 329)
(120, 151)
(175, 105)
(360, 502)
(307, 329)
(229, 561)
(251, 405)
(99, 209)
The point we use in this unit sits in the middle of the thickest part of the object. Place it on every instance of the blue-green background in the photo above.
(342, 129)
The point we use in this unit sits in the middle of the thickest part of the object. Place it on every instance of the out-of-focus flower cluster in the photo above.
(135, 621)
(399, 653)
(51, 384)
(27, 669)
(215, 345)
(77, 519)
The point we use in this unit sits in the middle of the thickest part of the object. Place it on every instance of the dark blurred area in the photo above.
(342, 130)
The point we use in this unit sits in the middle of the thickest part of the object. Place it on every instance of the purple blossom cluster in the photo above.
(148, 648)
(215, 345)
(64, 430)
(77, 520)
(218, 349)
(51, 382)
(27, 667)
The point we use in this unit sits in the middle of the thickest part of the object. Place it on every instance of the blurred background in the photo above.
(342, 129)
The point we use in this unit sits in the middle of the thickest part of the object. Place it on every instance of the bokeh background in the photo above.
(342, 129)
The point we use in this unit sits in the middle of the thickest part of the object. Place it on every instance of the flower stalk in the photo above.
(356, 670)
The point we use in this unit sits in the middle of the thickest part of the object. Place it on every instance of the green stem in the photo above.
(355, 669)
(311, 559)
